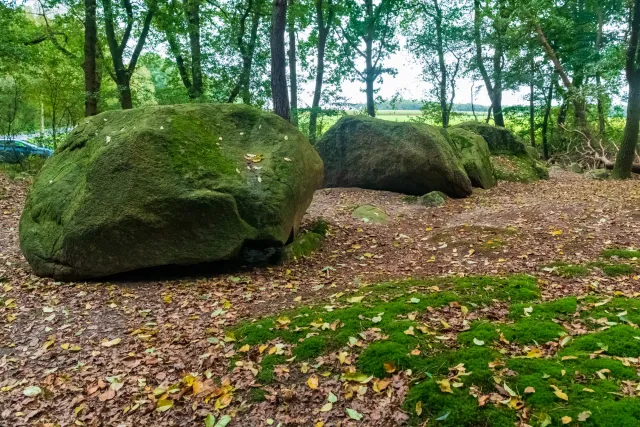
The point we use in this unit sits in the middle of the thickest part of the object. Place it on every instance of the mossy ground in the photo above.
(528, 364)
(611, 269)
(518, 168)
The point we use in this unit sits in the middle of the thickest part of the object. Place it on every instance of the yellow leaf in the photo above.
(111, 343)
(164, 405)
(419, 408)
(588, 390)
(390, 367)
(445, 386)
(327, 407)
(380, 385)
(410, 331)
(355, 299)
(556, 232)
(223, 402)
(245, 348)
(565, 420)
(262, 348)
(312, 382)
(568, 358)
(319, 424)
(64, 346)
(534, 353)
(529, 390)
(562, 395)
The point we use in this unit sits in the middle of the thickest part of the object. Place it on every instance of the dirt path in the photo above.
(75, 341)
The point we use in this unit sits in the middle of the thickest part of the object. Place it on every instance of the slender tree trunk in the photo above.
(600, 100)
(532, 110)
(442, 64)
(370, 72)
(124, 89)
(192, 12)
(91, 80)
(323, 33)
(174, 47)
(624, 159)
(473, 107)
(489, 114)
(278, 63)
(545, 121)
(293, 74)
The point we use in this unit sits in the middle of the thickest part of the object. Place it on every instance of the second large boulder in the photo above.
(410, 158)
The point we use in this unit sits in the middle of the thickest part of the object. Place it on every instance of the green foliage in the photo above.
(621, 253)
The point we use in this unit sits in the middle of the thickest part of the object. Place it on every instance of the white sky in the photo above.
(410, 84)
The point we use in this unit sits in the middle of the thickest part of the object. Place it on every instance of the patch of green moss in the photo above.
(615, 310)
(303, 246)
(559, 309)
(310, 348)
(619, 340)
(517, 168)
(373, 359)
(320, 226)
(621, 253)
(615, 270)
(433, 199)
(370, 214)
(524, 331)
(569, 270)
(268, 364)
(258, 395)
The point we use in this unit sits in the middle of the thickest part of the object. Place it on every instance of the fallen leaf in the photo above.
(312, 382)
(111, 343)
(353, 414)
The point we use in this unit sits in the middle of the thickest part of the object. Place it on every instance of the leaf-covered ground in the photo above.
(514, 306)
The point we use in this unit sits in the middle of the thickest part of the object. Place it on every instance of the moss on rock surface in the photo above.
(433, 199)
(500, 140)
(520, 168)
(169, 185)
(370, 214)
(475, 156)
(410, 158)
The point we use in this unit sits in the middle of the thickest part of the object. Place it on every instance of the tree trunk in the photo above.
(278, 63)
(174, 47)
(192, 12)
(91, 80)
(293, 74)
(545, 121)
(601, 114)
(442, 64)
(124, 89)
(489, 114)
(532, 110)
(370, 72)
(624, 159)
(323, 32)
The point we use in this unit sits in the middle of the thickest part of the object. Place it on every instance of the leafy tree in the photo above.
(370, 35)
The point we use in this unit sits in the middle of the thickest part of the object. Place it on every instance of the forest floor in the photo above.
(336, 348)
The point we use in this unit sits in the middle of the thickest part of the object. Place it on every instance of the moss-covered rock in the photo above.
(433, 199)
(410, 158)
(533, 152)
(303, 245)
(499, 140)
(518, 168)
(599, 174)
(169, 185)
(475, 156)
(370, 214)
(576, 168)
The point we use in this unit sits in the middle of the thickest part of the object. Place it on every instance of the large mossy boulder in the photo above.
(474, 155)
(170, 185)
(409, 158)
(499, 139)
(511, 158)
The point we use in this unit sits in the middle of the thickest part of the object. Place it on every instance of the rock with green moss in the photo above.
(500, 140)
(576, 168)
(474, 155)
(599, 174)
(533, 152)
(303, 245)
(511, 158)
(433, 199)
(410, 158)
(520, 168)
(370, 214)
(167, 185)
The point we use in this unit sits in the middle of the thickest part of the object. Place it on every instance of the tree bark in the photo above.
(442, 65)
(192, 12)
(122, 73)
(532, 110)
(323, 33)
(494, 89)
(174, 47)
(545, 120)
(600, 100)
(293, 74)
(91, 80)
(624, 158)
(370, 74)
(279, 91)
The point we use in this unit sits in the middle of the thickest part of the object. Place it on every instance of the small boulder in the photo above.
(433, 199)
(513, 168)
(533, 152)
(500, 140)
(370, 214)
(168, 185)
(599, 174)
(576, 168)
(474, 155)
(409, 158)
